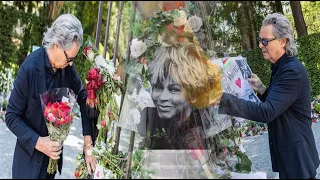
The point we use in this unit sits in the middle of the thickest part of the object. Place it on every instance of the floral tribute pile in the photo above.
(315, 109)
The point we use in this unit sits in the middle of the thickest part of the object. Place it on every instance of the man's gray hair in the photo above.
(282, 29)
(65, 30)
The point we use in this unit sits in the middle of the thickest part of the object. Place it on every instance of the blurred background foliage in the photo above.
(231, 26)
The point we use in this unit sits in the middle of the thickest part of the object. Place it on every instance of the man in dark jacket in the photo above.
(285, 105)
(48, 67)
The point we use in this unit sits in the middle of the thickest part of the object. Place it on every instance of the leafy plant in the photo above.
(4, 104)
(138, 169)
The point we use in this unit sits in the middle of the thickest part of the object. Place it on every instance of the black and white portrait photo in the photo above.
(244, 68)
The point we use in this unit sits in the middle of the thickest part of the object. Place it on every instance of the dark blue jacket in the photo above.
(24, 113)
(286, 107)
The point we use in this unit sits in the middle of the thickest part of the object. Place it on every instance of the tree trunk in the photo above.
(298, 18)
(278, 6)
(252, 32)
(244, 26)
(54, 9)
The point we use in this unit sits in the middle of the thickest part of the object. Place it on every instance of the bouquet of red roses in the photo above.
(57, 105)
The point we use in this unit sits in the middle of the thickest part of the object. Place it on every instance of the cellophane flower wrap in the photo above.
(58, 110)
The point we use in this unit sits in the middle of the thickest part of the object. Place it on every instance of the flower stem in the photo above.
(52, 166)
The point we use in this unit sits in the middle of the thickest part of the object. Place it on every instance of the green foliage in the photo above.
(225, 24)
(318, 108)
(138, 169)
(229, 139)
(4, 103)
(311, 14)
(309, 55)
(244, 166)
(16, 45)
(258, 64)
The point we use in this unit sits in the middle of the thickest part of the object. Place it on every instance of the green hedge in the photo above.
(34, 26)
(259, 65)
(308, 54)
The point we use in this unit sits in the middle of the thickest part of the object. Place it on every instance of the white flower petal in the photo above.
(137, 48)
(195, 23)
(90, 55)
(100, 62)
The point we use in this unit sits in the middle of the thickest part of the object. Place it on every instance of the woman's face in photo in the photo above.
(168, 99)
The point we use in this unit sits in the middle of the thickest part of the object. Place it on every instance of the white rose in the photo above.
(90, 55)
(181, 20)
(98, 126)
(110, 68)
(100, 62)
(137, 48)
(195, 23)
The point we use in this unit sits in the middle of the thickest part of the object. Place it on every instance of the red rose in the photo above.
(94, 85)
(93, 74)
(64, 107)
(86, 50)
(103, 123)
(91, 94)
(76, 174)
(100, 81)
(110, 113)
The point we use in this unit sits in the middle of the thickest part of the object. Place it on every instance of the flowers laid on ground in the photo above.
(315, 109)
(232, 154)
(252, 128)
(81, 171)
(57, 105)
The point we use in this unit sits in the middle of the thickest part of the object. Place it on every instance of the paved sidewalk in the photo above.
(257, 148)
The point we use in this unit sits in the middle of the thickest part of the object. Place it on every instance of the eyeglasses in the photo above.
(265, 41)
(69, 59)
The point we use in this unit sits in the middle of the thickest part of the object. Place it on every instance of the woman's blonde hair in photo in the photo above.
(188, 65)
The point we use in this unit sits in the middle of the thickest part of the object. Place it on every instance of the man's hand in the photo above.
(257, 84)
(89, 158)
(48, 147)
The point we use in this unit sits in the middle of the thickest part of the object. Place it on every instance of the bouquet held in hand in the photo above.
(57, 106)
